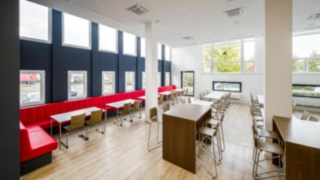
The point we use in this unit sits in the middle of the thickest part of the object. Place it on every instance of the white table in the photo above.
(120, 104)
(260, 99)
(144, 97)
(65, 117)
(203, 103)
(215, 95)
(165, 93)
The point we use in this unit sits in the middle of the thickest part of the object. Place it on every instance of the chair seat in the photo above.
(257, 118)
(88, 122)
(67, 128)
(213, 122)
(208, 131)
(268, 134)
(270, 147)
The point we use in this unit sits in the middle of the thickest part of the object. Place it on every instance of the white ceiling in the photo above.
(204, 20)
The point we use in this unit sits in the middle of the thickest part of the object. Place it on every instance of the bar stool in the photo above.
(153, 117)
(206, 135)
(216, 123)
(273, 148)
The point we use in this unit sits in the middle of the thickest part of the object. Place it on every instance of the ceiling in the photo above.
(203, 20)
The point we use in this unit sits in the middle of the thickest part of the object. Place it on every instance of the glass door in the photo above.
(187, 81)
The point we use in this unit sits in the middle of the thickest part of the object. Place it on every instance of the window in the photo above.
(108, 82)
(226, 86)
(108, 39)
(77, 84)
(34, 21)
(159, 79)
(32, 87)
(143, 47)
(187, 81)
(226, 57)
(306, 53)
(159, 51)
(143, 80)
(229, 57)
(248, 55)
(168, 53)
(76, 31)
(130, 81)
(306, 90)
(129, 44)
(207, 58)
(167, 78)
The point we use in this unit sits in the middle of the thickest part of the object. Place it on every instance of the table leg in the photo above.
(51, 126)
(60, 143)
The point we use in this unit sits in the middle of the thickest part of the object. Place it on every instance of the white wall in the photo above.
(190, 58)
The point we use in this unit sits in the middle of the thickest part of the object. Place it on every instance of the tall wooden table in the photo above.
(179, 134)
(302, 147)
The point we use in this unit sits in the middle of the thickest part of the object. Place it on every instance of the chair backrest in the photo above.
(186, 91)
(200, 96)
(166, 107)
(312, 118)
(96, 117)
(172, 96)
(77, 122)
(189, 100)
(126, 108)
(160, 99)
(305, 115)
(153, 114)
(136, 105)
(294, 106)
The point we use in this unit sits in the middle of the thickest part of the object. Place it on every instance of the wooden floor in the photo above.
(122, 154)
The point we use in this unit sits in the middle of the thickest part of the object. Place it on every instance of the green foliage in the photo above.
(227, 58)
(298, 65)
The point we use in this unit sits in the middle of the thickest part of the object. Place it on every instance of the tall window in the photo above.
(130, 81)
(159, 51)
(108, 82)
(248, 55)
(143, 80)
(159, 79)
(76, 31)
(229, 57)
(187, 81)
(167, 53)
(143, 47)
(129, 44)
(32, 87)
(167, 78)
(108, 39)
(34, 21)
(306, 53)
(77, 84)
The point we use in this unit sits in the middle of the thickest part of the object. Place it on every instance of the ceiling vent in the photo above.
(314, 16)
(138, 9)
(187, 38)
(234, 12)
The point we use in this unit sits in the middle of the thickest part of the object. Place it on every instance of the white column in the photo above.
(151, 68)
(278, 74)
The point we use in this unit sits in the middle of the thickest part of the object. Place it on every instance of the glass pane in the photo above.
(248, 67)
(143, 48)
(159, 51)
(298, 65)
(227, 57)
(227, 86)
(159, 79)
(248, 50)
(314, 65)
(76, 31)
(30, 88)
(306, 46)
(187, 78)
(207, 58)
(143, 80)
(168, 53)
(107, 38)
(129, 44)
(108, 83)
(167, 78)
(77, 84)
(301, 90)
(130, 81)
(34, 20)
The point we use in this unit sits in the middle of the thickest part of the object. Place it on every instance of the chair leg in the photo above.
(67, 144)
(149, 137)
(222, 134)
(158, 133)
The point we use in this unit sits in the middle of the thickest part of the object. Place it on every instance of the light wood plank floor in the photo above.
(122, 154)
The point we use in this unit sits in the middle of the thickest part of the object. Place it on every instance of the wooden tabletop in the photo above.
(190, 112)
(63, 117)
(305, 133)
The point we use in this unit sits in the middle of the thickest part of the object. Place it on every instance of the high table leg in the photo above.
(60, 136)
(51, 126)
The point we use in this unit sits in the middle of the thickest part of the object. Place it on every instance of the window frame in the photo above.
(42, 87)
(165, 54)
(306, 65)
(142, 39)
(116, 43)
(159, 45)
(85, 84)
(167, 83)
(72, 45)
(125, 81)
(49, 41)
(113, 82)
(135, 45)
(144, 80)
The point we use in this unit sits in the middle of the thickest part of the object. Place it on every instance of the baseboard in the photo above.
(35, 163)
